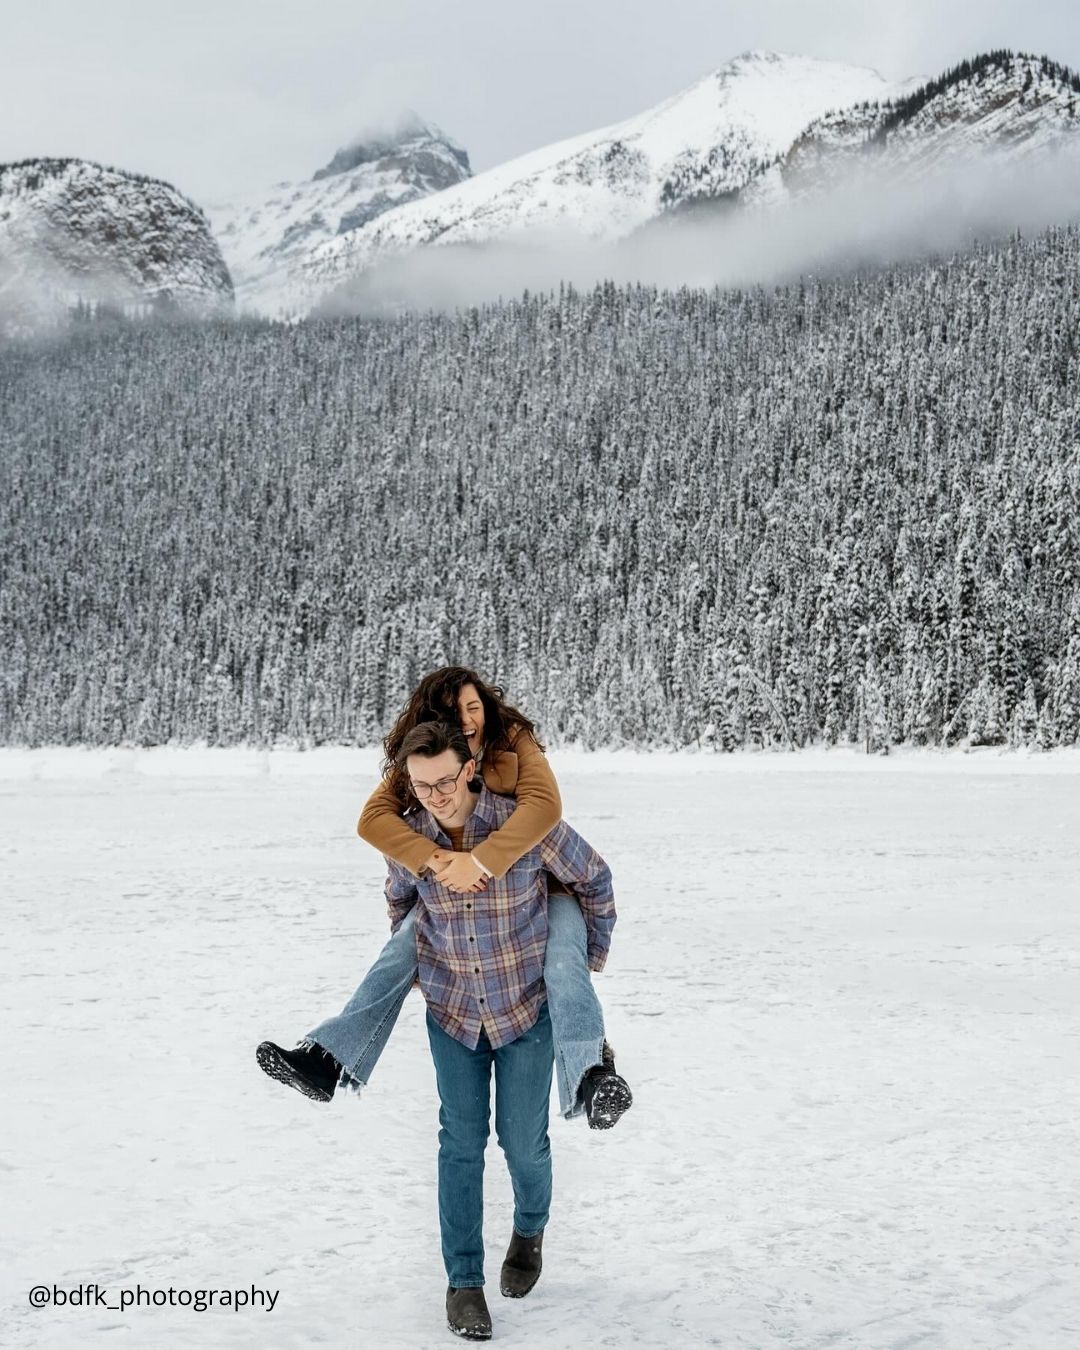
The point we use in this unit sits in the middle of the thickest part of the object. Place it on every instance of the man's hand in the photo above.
(456, 871)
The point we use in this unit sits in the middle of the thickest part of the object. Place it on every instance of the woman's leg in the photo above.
(577, 1020)
(357, 1035)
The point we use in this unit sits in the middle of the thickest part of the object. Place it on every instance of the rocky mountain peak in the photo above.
(72, 230)
(1012, 104)
(407, 131)
(757, 56)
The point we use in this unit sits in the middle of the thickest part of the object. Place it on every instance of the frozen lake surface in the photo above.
(844, 990)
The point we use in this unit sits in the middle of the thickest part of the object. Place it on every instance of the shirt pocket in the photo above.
(441, 903)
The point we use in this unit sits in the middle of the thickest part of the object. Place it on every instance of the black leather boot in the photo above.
(309, 1069)
(467, 1314)
(607, 1094)
(521, 1268)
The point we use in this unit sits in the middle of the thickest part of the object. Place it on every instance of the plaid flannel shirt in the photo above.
(481, 954)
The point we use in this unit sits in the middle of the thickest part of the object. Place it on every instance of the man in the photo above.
(481, 960)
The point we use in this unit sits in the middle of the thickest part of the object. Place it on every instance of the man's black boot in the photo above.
(607, 1094)
(310, 1069)
(467, 1314)
(521, 1268)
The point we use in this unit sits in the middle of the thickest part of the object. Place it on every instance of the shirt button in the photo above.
(476, 970)
(481, 1000)
(468, 906)
(472, 939)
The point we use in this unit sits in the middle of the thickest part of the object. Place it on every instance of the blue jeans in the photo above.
(357, 1036)
(522, 1093)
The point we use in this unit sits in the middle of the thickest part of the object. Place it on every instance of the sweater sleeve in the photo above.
(381, 826)
(538, 811)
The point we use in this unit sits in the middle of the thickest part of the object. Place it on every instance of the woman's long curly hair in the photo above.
(435, 699)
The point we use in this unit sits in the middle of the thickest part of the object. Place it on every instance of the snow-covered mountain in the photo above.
(1016, 106)
(268, 235)
(712, 138)
(74, 230)
(763, 130)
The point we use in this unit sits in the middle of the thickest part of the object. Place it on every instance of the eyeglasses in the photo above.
(444, 786)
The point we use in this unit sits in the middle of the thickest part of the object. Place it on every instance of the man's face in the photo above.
(448, 780)
(471, 716)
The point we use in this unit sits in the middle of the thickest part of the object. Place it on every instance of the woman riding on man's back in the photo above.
(510, 761)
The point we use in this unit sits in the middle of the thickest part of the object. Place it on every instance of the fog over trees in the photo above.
(839, 510)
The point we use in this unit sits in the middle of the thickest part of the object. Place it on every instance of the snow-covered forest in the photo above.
(844, 509)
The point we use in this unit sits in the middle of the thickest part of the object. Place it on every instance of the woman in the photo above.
(511, 761)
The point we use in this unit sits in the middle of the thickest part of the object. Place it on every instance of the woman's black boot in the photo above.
(308, 1068)
(606, 1093)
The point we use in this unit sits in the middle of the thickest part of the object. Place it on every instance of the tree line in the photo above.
(841, 510)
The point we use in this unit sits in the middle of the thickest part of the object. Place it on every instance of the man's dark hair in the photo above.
(431, 739)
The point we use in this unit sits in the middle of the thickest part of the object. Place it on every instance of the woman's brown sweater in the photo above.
(522, 772)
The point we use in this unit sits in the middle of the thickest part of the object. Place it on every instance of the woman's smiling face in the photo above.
(471, 714)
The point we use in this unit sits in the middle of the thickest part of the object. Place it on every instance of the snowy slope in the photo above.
(843, 989)
(1015, 107)
(265, 235)
(71, 229)
(712, 137)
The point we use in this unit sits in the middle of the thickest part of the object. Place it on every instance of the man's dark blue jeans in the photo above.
(522, 1090)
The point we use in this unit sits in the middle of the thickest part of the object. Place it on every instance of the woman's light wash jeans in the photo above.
(357, 1035)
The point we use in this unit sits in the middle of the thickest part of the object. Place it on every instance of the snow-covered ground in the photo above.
(843, 989)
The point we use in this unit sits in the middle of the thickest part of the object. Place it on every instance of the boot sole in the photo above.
(610, 1100)
(467, 1334)
(271, 1062)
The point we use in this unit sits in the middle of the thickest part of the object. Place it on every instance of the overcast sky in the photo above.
(226, 98)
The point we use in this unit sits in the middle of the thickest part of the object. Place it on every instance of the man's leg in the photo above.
(522, 1092)
(463, 1077)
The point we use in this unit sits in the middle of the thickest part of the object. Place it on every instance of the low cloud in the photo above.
(873, 216)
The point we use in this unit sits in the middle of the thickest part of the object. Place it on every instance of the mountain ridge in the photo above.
(264, 236)
(75, 230)
(980, 105)
(763, 130)
(722, 129)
